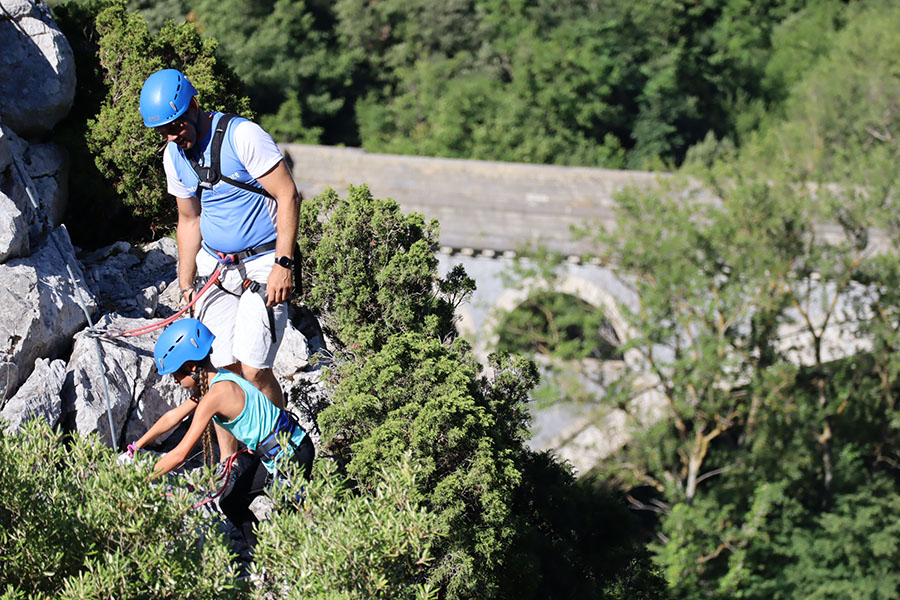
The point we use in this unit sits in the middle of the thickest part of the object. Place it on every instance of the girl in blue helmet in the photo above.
(183, 351)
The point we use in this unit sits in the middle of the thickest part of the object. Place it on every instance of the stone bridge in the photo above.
(488, 212)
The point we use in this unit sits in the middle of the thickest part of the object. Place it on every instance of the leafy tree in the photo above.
(416, 394)
(566, 83)
(848, 552)
(402, 384)
(771, 339)
(498, 502)
(287, 54)
(827, 130)
(287, 124)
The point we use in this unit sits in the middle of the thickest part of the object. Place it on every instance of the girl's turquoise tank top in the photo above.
(257, 420)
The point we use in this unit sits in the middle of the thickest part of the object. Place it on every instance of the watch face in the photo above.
(285, 262)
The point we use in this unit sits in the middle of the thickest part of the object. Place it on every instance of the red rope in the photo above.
(225, 477)
(159, 325)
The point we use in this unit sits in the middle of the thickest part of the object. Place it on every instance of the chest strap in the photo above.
(212, 174)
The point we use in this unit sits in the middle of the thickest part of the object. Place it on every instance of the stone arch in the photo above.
(567, 283)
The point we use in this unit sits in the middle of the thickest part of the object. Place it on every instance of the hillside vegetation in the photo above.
(773, 472)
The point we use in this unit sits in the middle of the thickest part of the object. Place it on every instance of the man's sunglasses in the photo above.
(172, 128)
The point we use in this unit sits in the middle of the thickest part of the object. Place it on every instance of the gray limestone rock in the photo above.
(293, 354)
(5, 148)
(37, 68)
(13, 228)
(38, 397)
(138, 396)
(42, 168)
(147, 301)
(15, 212)
(116, 272)
(39, 308)
(48, 167)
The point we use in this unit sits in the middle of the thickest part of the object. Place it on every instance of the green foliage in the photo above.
(402, 385)
(287, 124)
(158, 12)
(286, 53)
(372, 270)
(770, 343)
(342, 544)
(126, 154)
(840, 117)
(417, 395)
(572, 83)
(848, 552)
(576, 539)
(559, 325)
(78, 525)
(773, 342)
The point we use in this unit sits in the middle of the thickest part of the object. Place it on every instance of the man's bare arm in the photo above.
(279, 183)
(187, 234)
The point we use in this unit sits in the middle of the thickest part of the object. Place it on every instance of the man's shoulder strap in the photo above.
(211, 175)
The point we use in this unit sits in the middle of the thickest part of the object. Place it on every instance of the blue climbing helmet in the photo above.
(184, 340)
(165, 96)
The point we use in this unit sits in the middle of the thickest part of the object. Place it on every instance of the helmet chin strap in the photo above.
(195, 122)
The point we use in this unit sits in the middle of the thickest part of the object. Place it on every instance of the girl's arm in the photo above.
(171, 419)
(205, 409)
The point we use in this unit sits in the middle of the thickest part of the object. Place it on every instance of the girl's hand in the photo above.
(127, 457)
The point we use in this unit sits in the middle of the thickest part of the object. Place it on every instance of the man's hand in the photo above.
(279, 285)
(187, 294)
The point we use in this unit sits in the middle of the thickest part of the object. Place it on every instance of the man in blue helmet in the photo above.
(238, 209)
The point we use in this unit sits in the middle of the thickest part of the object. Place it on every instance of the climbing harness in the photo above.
(234, 258)
(269, 447)
(211, 175)
(247, 284)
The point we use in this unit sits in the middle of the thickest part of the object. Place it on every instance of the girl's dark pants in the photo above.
(252, 483)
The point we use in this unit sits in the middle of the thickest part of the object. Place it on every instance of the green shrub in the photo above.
(371, 270)
(342, 544)
(417, 395)
(78, 525)
(115, 55)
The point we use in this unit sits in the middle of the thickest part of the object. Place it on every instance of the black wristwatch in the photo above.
(284, 261)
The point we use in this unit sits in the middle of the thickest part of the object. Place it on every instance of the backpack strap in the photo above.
(212, 174)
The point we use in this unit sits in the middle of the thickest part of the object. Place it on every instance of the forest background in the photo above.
(773, 470)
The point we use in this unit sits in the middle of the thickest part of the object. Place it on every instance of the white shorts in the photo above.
(240, 320)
